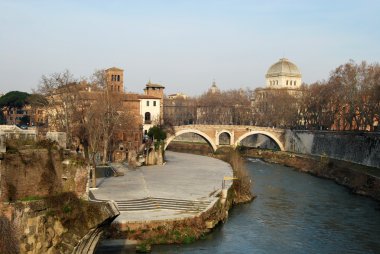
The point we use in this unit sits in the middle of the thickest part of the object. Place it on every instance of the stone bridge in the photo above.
(228, 135)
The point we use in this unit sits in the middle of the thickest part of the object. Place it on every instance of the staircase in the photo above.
(149, 203)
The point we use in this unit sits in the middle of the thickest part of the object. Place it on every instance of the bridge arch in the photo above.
(268, 134)
(202, 134)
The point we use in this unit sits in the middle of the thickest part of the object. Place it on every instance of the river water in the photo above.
(293, 213)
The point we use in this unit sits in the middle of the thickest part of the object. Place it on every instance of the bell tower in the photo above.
(115, 80)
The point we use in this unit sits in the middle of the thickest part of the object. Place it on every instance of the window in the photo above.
(147, 103)
(118, 77)
(147, 116)
(154, 103)
(295, 82)
(291, 82)
(287, 82)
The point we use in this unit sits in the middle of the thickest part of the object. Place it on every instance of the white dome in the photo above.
(283, 68)
(283, 74)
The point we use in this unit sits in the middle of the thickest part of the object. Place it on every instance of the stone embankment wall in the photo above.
(169, 231)
(357, 147)
(59, 220)
(42, 228)
(40, 172)
(360, 179)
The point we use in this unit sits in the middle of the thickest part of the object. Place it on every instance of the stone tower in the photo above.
(115, 79)
(156, 90)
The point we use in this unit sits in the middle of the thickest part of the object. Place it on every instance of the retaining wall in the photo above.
(357, 147)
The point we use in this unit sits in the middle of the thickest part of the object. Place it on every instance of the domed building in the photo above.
(283, 74)
(278, 100)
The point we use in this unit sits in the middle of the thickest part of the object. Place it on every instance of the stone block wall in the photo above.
(32, 172)
(358, 147)
(40, 172)
(42, 228)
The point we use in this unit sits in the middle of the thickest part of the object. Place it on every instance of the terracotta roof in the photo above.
(149, 84)
(94, 95)
(114, 69)
(143, 96)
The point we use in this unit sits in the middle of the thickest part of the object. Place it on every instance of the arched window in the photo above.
(287, 82)
(118, 77)
(147, 117)
(295, 82)
(224, 139)
(276, 82)
(291, 82)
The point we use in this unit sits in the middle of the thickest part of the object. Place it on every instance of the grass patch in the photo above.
(31, 198)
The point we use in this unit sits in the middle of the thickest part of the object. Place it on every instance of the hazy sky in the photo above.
(183, 45)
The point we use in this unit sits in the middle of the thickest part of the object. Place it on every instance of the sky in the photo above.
(183, 44)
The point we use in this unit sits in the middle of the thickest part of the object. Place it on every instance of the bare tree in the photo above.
(110, 107)
(61, 91)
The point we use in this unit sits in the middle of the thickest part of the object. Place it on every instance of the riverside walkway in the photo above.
(184, 187)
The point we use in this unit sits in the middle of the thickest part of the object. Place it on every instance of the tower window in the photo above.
(118, 77)
(295, 82)
(154, 103)
(287, 82)
(147, 103)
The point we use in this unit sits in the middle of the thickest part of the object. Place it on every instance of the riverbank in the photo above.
(359, 179)
(293, 213)
(175, 203)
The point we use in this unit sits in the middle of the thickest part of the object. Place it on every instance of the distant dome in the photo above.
(283, 68)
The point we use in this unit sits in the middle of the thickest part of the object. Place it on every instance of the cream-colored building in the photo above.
(283, 74)
(150, 111)
(177, 96)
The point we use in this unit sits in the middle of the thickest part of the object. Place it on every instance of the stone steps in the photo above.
(162, 203)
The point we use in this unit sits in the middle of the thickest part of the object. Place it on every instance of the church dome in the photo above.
(283, 68)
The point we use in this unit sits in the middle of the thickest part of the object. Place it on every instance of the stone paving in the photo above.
(184, 178)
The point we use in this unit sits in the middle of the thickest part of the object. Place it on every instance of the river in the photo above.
(293, 213)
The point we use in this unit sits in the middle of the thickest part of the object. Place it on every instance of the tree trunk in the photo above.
(105, 148)
(93, 176)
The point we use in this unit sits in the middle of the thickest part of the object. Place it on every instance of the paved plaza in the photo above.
(185, 186)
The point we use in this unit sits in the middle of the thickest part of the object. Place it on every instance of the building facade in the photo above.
(150, 111)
